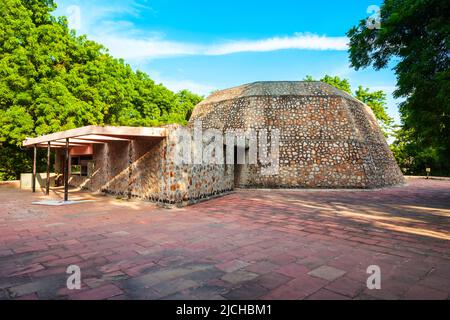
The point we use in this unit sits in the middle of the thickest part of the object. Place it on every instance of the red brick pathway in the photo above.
(247, 245)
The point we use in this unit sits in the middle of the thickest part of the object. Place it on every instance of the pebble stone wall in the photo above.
(328, 138)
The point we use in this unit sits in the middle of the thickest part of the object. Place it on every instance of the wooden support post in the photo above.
(33, 181)
(66, 172)
(47, 182)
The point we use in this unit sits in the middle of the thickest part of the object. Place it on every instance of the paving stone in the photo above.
(272, 280)
(248, 291)
(105, 279)
(208, 292)
(312, 262)
(284, 292)
(346, 286)
(3, 295)
(175, 285)
(45, 288)
(262, 267)
(283, 259)
(63, 262)
(327, 273)
(306, 285)
(239, 276)
(418, 292)
(324, 294)
(205, 275)
(140, 293)
(31, 296)
(103, 292)
(136, 245)
(232, 265)
(119, 233)
(6, 282)
(28, 269)
(139, 269)
(162, 275)
(436, 282)
(292, 270)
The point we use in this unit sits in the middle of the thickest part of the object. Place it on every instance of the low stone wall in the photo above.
(189, 183)
(26, 180)
(147, 170)
(428, 178)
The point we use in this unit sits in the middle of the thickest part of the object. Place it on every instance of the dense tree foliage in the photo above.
(376, 100)
(337, 82)
(53, 80)
(415, 35)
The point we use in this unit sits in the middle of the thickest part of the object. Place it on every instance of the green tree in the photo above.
(415, 36)
(376, 100)
(337, 82)
(52, 80)
(410, 158)
(187, 100)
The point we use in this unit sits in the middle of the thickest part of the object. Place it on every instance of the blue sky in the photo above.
(208, 45)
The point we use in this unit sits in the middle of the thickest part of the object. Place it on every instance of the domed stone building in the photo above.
(328, 139)
(325, 139)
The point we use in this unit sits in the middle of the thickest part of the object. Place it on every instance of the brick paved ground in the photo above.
(247, 245)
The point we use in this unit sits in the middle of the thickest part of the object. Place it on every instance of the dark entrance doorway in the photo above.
(240, 166)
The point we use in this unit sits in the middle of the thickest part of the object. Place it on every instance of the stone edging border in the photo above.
(430, 177)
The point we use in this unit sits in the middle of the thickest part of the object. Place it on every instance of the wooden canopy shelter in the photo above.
(81, 137)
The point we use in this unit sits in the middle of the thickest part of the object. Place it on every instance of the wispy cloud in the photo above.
(158, 47)
(175, 84)
(129, 48)
(298, 41)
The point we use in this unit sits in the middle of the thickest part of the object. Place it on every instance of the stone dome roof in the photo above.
(276, 88)
(327, 137)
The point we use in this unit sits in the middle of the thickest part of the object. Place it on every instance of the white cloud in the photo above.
(198, 88)
(298, 41)
(180, 84)
(158, 47)
(129, 48)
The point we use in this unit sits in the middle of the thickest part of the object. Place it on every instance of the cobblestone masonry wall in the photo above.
(328, 138)
(189, 183)
(147, 170)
